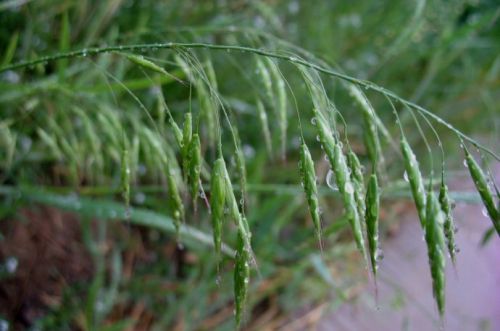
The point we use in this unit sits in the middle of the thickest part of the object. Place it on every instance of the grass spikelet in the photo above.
(308, 176)
(482, 187)
(125, 177)
(449, 226)
(371, 138)
(141, 61)
(51, 142)
(175, 200)
(194, 167)
(187, 133)
(265, 126)
(415, 179)
(241, 277)
(346, 188)
(234, 211)
(217, 201)
(177, 131)
(325, 134)
(434, 238)
(371, 217)
(265, 76)
(281, 103)
(357, 180)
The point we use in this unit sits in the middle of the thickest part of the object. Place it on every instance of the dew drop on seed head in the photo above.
(318, 138)
(313, 121)
(405, 176)
(484, 212)
(465, 164)
(349, 188)
(330, 180)
(380, 255)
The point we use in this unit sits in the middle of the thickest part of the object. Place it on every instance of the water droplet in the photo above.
(139, 198)
(465, 164)
(4, 325)
(11, 264)
(318, 138)
(380, 255)
(313, 121)
(349, 188)
(330, 177)
(484, 212)
(405, 176)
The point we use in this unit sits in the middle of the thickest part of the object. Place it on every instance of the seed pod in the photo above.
(141, 61)
(187, 133)
(415, 179)
(241, 277)
(194, 167)
(125, 178)
(308, 176)
(325, 134)
(434, 238)
(346, 188)
(484, 191)
(217, 201)
(357, 180)
(175, 200)
(372, 211)
(449, 226)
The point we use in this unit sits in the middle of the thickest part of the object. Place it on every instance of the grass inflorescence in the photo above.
(225, 93)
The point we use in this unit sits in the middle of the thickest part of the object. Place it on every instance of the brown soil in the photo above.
(40, 237)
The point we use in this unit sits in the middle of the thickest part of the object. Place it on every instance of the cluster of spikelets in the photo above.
(361, 201)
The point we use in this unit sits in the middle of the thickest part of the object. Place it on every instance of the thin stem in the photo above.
(171, 45)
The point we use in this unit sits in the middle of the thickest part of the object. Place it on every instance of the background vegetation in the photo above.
(64, 123)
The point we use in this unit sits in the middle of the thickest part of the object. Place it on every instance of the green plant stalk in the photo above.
(171, 45)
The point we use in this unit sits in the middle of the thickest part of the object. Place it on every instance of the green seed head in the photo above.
(325, 134)
(434, 237)
(217, 201)
(308, 176)
(175, 201)
(187, 134)
(141, 61)
(194, 166)
(415, 179)
(241, 277)
(371, 216)
(449, 226)
(482, 187)
(346, 188)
